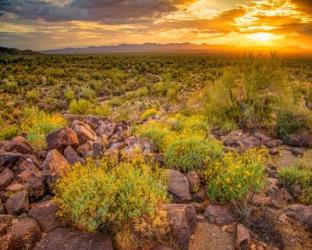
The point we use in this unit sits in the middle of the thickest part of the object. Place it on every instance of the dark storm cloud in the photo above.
(109, 11)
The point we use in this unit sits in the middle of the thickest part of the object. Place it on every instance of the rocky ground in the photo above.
(28, 216)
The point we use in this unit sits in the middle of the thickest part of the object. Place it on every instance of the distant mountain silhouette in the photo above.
(14, 51)
(170, 48)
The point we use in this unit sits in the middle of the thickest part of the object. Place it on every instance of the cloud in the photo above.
(107, 11)
(303, 5)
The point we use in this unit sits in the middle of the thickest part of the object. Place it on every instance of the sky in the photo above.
(50, 24)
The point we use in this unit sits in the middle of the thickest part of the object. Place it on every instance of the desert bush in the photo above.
(148, 113)
(7, 132)
(192, 153)
(113, 196)
(11, 86)
(298, 181)
(87, 93)
(69, 94)
(80, 107)
(103, 109)
(249, 93)
(289, 122)
(37, 125)
(232, 177)
(33, 95)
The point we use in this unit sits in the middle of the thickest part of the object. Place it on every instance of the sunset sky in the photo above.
(48, 24)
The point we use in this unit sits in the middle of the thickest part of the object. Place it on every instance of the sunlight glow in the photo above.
(261, 37)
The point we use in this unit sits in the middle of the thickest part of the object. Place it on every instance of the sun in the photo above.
(261, 37)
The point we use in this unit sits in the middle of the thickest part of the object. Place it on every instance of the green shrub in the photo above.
(33, 95)
(11, 86)
(148, 113)
(289, 123)
(103, 110)
(87, 93)
(250, 93)
(7, 132)
(113, 196)
(294, 177)
(37, 125)
(231, 178)
(69, 94)
(192, 153)
(80, 107)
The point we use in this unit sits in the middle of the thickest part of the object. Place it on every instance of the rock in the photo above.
(263, 138)
(193, 181)
(45, 214)
(97, 149)
(71, 156)
(11, 159)
(62, 138)
(6, 177)
(106, 129)
(182, 219)
(219, 215)
(260, 200)
(199, 196)
(84, 150)
(276, 196)
(24, 234)
(273, 143)
(64, 239)
(297, 151)
(243, 238)
(2, 209)
(250, 142)
(161, 247)
(301, 139)
(54, 166)
(28, 164)
(234, 138)
(301, 214)
(84, 132)
(18, 203)
(178, 186)
(273, 151)
(209, 236)
(20, 145)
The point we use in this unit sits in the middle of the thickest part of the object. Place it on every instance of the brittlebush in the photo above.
(117, 197)
(235, 175)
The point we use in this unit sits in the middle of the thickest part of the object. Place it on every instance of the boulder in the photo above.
(301, 139)
(234, 138)
(71, 156)
(301, 214)
(106, 129)
(2, 209)
(24, 234)
(18, 203)
(273, 143)
(297, 151)
(54, 166)
(84, 132)
(20, 145)
(219, 215)
(45, 214)
(64, 239)
(178, 186)
(182, 219)
(84, 150)
(243, 237)
(11, 160)
(193, 181)
(6, 177)
(263, 138)
(62, 138)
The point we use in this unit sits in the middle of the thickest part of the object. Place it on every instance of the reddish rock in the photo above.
(273, 143)
(20, 145)
(219, 215)
(71, 156)
(106, 129)
(54, 166)
(62, 138)
(243, 238)
(193, 181)
(178, 186)
(182, 219)
(297, 151)
(64, 239)
(45, 214)
(28, 164)
(2, 209)
(84, 150)
(301, 214)
(301, 139)
(6, 177)
(24, 234)
(263, 138)
(84, 132)
(18, 203)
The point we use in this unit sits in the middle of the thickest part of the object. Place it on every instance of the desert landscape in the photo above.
(195, 136)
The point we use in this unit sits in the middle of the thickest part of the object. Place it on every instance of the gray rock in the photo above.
(219, 215)
(178, 186)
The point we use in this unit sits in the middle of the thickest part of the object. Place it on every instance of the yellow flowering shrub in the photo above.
(114, 196)
(235, 175)
(37, 124)
(148, 113)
